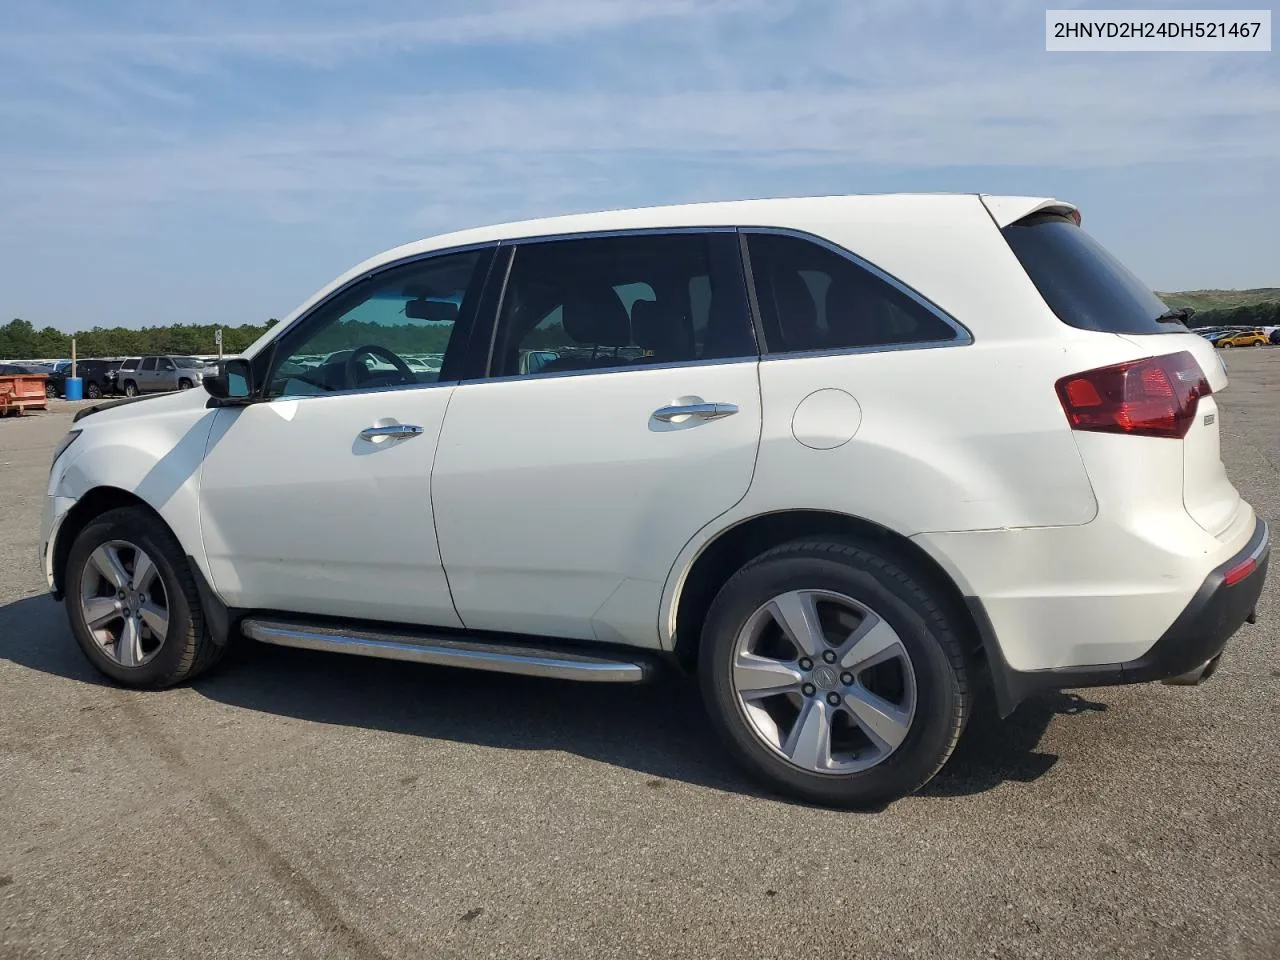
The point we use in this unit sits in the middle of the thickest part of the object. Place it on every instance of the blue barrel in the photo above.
(74, 387)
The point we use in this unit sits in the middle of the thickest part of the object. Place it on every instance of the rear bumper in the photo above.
(1197, 636)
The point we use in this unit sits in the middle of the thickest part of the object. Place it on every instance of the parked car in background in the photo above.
(158, 374)
(1246, 338)
(98, 377)
(846, 458)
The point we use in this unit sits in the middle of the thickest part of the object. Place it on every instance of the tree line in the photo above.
(1264, 314)
(20, 340)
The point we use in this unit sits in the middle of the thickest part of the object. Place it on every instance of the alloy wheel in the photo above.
(124, 603)
(824, 681)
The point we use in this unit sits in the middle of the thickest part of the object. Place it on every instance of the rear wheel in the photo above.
(130, 388)
(50, 390)
(833, 675)
(1226, 346)
(92, 391)
(133, 604)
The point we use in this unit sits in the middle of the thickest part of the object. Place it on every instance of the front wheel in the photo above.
(833, 675)
(184, 384)
(133, 604)
(130, 388)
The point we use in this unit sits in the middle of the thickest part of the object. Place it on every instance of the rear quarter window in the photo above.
(1081, 281)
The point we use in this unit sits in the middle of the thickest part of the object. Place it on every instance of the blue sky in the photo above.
(175, 160)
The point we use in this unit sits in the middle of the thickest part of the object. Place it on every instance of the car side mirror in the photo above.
(230, 382)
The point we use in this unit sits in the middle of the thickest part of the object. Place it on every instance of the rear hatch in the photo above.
(1090, 289)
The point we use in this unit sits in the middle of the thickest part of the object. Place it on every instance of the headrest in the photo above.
(595, 315)
(664, 331)
(796, 309)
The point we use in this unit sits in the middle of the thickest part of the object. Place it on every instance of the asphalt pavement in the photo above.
(301, 804)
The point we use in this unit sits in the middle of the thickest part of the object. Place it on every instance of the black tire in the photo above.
(50, 390)
(130, 388)
(185, 384)
(92, 390)
(187, 649)
(883, 585)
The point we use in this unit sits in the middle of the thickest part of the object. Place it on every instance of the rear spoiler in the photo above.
(1007, 210)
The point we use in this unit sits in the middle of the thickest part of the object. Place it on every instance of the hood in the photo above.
(130, 408)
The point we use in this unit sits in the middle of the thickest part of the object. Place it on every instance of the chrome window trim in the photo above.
(622, 369)
(963, 338)
(359, 391)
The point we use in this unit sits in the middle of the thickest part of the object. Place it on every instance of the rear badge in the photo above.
(1209, 418)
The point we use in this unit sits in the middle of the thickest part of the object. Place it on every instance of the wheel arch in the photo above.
(725, 553)
(88, 508)
(100, 500)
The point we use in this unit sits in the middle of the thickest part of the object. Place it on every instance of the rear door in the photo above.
(563, 496)
(1090, 289)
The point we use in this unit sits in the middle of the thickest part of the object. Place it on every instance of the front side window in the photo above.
(391, 330)
(813, 298)
(621, 302)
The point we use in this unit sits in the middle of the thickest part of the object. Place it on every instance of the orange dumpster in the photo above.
(20, 391)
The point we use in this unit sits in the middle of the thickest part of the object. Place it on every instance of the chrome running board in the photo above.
(531, 659)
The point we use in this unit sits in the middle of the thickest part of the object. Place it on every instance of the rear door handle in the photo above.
(699, 411)
(397, 431)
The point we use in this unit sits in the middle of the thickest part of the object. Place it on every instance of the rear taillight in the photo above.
(1153, 397)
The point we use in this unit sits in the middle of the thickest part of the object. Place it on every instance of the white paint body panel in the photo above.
(300, 514)
(561, 502)
(559, 508)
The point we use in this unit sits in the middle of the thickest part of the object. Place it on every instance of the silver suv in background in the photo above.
(158, 374)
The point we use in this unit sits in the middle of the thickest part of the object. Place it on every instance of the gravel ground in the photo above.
(306, 804)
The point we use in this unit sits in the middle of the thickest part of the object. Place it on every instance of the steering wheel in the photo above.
(373, 350)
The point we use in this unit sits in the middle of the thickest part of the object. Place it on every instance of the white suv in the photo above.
(842, 456)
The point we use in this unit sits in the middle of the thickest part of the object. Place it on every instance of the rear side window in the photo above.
(813, 298)
(624, 302)
(1081, 282)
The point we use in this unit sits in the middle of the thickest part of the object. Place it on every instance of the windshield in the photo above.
(1083, 283)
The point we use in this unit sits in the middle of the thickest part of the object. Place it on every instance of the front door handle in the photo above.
(700, 411)
(397, 431)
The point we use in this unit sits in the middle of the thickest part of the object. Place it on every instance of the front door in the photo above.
(621, 415)
(317, 500)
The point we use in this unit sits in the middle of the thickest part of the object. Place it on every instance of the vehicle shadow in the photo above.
(658, 729)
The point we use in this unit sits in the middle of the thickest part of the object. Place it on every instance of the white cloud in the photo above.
(654, 93)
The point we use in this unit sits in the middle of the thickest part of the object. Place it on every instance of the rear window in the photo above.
(1081, 282)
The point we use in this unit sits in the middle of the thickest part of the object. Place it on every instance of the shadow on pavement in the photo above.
(658, 729)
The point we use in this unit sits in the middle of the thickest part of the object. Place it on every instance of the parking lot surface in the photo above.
(310, 805)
